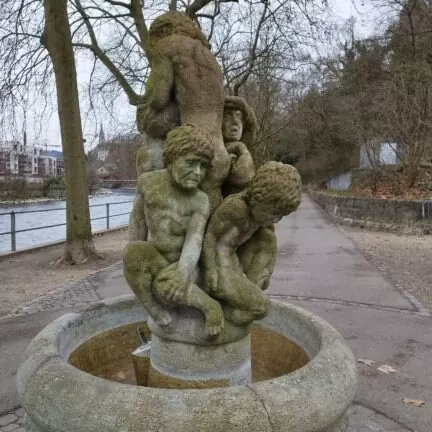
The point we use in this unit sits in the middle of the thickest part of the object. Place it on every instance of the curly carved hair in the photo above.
(187, 139)
(174, 23)
(277, 184)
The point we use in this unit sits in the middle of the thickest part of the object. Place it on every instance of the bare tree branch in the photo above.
(101, 55)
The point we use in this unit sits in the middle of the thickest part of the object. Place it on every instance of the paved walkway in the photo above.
(319, 269)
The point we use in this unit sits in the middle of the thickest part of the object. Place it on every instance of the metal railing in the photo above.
(13, 214)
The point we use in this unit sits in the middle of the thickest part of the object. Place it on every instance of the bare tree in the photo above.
(58, 40)
(115, 33)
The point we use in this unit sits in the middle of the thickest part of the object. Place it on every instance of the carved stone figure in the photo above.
(154, 126)
(239, 246)
(166, 229)
(200, 264)
(185, 73)
(239, 132)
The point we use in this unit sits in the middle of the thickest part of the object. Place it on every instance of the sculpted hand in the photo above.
(172, 284)
(236, 148)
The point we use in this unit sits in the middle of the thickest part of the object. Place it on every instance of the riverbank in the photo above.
(29, 276)
(40, 223)
(101, 192)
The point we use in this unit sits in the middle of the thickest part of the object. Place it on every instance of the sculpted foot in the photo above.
(241, 317)
(163, 319)
(214, 319)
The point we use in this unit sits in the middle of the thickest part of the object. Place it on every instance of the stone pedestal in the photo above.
(182, 356)
(183, 365)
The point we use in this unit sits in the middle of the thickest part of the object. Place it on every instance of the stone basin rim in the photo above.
(316, 394)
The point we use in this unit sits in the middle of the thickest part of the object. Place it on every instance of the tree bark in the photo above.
(58, 41)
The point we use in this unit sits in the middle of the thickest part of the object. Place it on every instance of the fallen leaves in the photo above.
(366, 362)
(387, 369)
(416, 402)
(383, 368)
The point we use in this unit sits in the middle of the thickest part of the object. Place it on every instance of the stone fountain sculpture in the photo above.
(168, 264)
(222, 356)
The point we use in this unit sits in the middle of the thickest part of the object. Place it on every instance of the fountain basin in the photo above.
(75, 378)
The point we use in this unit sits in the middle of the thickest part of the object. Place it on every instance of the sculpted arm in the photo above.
(192, 246)
(229, 215)
(160, 83)
(137, 222)
(242, 170)
(258, 257)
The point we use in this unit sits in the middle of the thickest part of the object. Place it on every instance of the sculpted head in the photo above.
(232, 126)
(187, 155)
(239, 122)
(275, 192)
(175, 23)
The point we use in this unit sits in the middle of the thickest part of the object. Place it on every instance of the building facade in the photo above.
(17, 159)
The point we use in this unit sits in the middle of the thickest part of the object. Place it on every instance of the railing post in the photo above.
(107, 216)
(13, 229)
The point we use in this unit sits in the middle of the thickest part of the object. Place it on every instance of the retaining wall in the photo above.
(410, 217)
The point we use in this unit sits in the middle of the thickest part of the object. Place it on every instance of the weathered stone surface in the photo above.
(161, 380)
(239, 247)
(58, 396)
(166, 230)
(7, 419)
(10, 428)
(185, 73)
(20, 412)
(188, 326)
(239, 129)
(224, 364)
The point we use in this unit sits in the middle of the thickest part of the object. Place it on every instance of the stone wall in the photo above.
(411, 217)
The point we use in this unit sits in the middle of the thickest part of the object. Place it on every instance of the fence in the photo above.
(13, 215)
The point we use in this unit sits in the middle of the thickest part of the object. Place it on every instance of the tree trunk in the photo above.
(58, 41)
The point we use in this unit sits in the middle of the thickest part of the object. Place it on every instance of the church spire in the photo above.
(101, 135)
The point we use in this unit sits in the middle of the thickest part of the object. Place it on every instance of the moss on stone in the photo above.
(277, 184)
(187, 139)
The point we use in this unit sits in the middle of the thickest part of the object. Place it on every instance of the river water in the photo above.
(120, 202)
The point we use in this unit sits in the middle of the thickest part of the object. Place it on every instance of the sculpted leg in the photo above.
(141, 262)
(245, 301)
(211, 309)
(171, 289)
(258, 257)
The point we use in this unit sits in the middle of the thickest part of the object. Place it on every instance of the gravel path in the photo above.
(29, 276)
(405, 259)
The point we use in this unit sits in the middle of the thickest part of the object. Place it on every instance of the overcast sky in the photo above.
(49, 132)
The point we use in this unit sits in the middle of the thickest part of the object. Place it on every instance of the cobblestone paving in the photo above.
(76, 293)
(12, 421)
